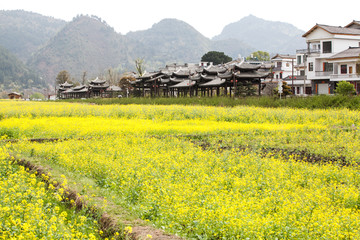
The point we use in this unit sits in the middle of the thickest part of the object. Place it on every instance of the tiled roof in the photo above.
(353, 24)
(334, 30)
(351, 52)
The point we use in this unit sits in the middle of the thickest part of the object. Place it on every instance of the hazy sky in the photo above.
(208, 17)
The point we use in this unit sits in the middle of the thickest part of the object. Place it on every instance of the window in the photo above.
(350, 70)
(343, 69)
(327, 47)
(311, 66)
(298, 59)
(302, 72)
(287, 64)
(328, 67)
(278, 64)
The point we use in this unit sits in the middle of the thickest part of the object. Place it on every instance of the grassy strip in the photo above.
(312, 102)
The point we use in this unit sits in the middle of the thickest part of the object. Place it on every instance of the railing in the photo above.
(323, 74)
(308, 51)
(351, 76)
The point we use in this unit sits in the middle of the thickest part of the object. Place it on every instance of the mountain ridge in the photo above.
(89, 44)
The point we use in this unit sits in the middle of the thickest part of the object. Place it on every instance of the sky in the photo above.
(207, 16)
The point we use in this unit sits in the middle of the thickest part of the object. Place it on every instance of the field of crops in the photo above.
(202, 172)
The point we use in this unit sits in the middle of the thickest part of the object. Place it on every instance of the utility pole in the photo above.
(292, 75)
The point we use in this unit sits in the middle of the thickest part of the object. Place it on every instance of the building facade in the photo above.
(324, 67)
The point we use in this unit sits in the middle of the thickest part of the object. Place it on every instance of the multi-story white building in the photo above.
(290, 68)
(330, 51)
(283, 66)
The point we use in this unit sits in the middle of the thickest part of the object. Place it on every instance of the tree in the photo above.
(140, 68)
(37, 96)
(215, 57)
(63, 77)
(345, 88)
(259, 56)
(125, 84)
(84, 78)
(286, 90)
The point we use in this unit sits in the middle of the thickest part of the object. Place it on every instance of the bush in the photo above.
(345, 89)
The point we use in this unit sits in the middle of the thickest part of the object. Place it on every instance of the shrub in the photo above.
(345, 88)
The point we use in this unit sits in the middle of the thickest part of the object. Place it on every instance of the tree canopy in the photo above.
(215, 57)
(63, 77)
(259, 56)
(345, 88)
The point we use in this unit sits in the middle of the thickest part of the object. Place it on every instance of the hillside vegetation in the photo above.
(14, 74)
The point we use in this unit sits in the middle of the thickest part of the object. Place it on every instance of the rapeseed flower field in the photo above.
(202, 172)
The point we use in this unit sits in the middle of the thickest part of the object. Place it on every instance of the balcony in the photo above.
(308, 51)
(323, 74)
(345, 77)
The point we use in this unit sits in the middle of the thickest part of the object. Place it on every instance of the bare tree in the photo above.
(140, 68)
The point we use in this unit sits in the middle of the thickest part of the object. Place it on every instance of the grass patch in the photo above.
(312, 102)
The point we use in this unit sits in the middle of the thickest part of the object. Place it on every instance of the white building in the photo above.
(326, 59)
(290, 68)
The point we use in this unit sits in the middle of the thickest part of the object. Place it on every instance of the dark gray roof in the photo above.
(175, 79)
(351, 52)
(296, 77)
(216, 82)
(79, 87)
(286, 56)
(215, 69)
(251, 75)
(66, 85)
(97, 81)
(149, 75)
(247, 67)
(334, 30)
(184, 84)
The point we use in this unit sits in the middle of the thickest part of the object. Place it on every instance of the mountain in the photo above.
(232, 47)
(270, 36)
(172, 40)
(87, 44)
(24, 32)
(14, 74)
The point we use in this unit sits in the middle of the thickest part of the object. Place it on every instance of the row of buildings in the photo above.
(331, 56)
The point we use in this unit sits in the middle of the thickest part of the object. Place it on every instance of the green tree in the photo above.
(37, 96)
(215, 57)
(259, 56)
(62, 77)
(286, 90)
(345, 88)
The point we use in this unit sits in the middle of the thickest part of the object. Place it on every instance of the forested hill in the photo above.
(14, 74)
(23, 33)
(86, 44)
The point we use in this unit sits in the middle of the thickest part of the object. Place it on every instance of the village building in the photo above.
(200, 80)
(330, 56)
(14, 95)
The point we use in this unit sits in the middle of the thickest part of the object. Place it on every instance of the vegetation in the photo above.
(259, 56)
(23, 33)
(202, 172)
(215, 57)
(345, 88)
(312, 102)
(14, 74)
(31, 209)
(63, 77)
